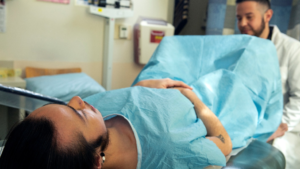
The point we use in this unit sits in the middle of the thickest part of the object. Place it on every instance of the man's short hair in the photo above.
(265, 3)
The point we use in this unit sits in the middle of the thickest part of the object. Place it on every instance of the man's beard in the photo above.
(260, 30)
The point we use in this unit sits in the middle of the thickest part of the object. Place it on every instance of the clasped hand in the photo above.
(167, 83)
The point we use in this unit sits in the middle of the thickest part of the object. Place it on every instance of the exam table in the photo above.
(258, 154)
(255, 156)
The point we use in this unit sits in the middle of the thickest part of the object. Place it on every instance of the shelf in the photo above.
(111, 12)
(13, 82)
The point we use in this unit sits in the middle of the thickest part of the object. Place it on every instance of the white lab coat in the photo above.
(288, 51)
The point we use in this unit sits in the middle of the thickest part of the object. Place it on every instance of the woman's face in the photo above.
(77, 116)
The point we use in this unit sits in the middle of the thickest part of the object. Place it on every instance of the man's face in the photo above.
(250, 18)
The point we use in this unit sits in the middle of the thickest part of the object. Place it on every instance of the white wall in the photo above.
(51, 35)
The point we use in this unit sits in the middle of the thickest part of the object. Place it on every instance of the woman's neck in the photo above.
(121, 151)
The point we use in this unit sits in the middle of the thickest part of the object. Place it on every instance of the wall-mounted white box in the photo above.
(123, 35)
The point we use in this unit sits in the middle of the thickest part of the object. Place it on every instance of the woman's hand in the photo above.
(162, 84)
(198, 104)
(188, 93)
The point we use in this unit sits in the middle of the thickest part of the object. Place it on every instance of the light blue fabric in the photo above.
(236, 76)
(64, 86)
(170, 134)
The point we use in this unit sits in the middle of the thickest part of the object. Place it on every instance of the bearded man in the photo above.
(253, 19)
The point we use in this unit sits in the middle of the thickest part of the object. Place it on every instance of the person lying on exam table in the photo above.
(76, 136)
(150, 125)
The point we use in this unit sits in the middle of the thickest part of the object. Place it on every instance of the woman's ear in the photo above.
(98, 162)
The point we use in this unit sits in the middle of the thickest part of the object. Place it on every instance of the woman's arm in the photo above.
(215, 130)
(162, 83)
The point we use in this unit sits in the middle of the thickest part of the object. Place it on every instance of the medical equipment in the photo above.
(24, 99)
(111, 3)
(148, 33)
(104, 8)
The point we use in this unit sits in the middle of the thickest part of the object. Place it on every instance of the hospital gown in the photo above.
(168, 133)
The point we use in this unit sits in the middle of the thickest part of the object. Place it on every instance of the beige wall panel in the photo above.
(42, 31)
(227, 31)
(124, 74)
(231, 2)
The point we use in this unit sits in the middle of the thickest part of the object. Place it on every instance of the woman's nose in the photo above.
(77, 103)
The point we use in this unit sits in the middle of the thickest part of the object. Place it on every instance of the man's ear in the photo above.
(268, 15)
(98, 162)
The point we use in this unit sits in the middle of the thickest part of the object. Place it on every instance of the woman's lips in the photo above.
(93, 108)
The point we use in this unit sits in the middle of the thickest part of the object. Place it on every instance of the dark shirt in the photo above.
(270, 33)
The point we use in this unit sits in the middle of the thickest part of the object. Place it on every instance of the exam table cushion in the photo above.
(64, 86)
